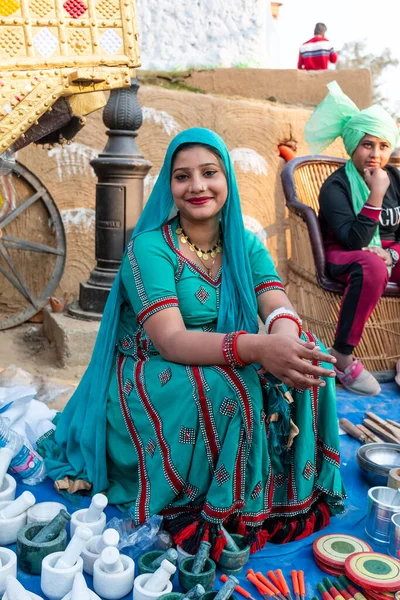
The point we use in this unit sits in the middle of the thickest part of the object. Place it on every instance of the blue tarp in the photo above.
(295, 555)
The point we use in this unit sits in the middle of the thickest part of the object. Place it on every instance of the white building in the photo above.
(179, 34)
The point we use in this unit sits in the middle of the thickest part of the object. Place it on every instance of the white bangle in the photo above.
(282, 311)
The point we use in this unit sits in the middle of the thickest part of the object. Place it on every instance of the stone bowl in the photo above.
(7, 490)
(187, 579)
(56, 583)
(146, 559)
(9, 567)
(231, 563)
(31, 594)
(43, 512)
(30, 554)
(9, 527)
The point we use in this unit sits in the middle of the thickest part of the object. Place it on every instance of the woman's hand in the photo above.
(377, 180)
(285, 327)
(290, 360)
(385, 256)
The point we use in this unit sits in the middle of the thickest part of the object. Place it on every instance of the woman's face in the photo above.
(198, 183)
(371, 153)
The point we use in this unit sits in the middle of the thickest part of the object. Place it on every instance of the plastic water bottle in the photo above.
(26, 463)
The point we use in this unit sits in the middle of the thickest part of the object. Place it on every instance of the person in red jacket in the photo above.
(315, 54)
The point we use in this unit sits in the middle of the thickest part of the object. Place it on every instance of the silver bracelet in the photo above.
(282, 310)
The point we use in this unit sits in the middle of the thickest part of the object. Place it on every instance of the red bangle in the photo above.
(234, 348)
(230, 352)
(285, 316)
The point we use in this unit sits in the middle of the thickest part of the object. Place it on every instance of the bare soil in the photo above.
(26, 347)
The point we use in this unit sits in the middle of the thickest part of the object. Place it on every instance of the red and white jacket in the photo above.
(315, 54)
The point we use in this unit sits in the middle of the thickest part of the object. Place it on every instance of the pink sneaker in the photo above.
(358, 380)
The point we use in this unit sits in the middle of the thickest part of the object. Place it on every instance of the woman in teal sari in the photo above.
(185, 411)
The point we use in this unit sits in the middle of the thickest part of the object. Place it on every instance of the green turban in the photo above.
(338, 116)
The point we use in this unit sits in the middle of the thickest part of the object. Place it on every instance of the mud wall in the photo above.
(251, 128)
(285, 86)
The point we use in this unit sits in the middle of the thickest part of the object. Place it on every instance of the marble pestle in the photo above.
(231, 545)
(227, 589)
(80, 589)
(73, 550)
(110, 537)
(111, 561)
(15, 590)
(6, 456)
(18, 507)
(201, 557)
(52, 530)
(96, 508)
(171, 555)
(195, 593)
(158, 580)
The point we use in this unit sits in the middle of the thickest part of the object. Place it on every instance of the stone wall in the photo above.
(251, 128)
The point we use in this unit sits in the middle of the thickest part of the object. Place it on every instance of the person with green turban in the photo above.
(360, 220)
(184, 410)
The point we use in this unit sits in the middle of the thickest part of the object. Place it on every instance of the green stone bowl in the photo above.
(146, 559)
(231, 563)
(30, 554)
(187, 579)
(171, 596)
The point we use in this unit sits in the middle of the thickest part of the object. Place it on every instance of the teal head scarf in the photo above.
(79, 446)
(337, 116)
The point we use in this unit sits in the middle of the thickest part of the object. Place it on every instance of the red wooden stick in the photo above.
(275, 580)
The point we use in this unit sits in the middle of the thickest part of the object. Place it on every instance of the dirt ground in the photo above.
(26, 347)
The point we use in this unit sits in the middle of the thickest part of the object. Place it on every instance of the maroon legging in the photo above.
(365, 276)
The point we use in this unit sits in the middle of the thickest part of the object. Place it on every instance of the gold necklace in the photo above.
(193, 248)
(202, 254)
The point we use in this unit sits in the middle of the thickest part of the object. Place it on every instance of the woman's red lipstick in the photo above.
(200, 200)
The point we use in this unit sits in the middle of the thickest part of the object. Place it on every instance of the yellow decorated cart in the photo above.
(56, 60)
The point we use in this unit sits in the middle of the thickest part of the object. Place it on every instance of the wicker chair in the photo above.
(314, 294)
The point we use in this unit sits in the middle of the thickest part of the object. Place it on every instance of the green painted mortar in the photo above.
(171, 596)
(146, 559)
(30, 554)
(187, 579)
(231, 563)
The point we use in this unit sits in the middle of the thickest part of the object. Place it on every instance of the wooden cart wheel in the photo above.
(32, 244)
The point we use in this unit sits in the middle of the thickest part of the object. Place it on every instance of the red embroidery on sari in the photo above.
(210, 430)
(143, 499)
(266, 286)
(174, 479)
(154, 307)
(244, 397)
(314, 399)
(239, 470)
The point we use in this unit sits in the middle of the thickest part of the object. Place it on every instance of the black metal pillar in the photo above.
(120, 170)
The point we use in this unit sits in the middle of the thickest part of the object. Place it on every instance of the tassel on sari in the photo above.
(219, 545)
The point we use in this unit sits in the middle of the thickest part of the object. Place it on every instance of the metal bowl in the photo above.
(383, 503)
(376, 460)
